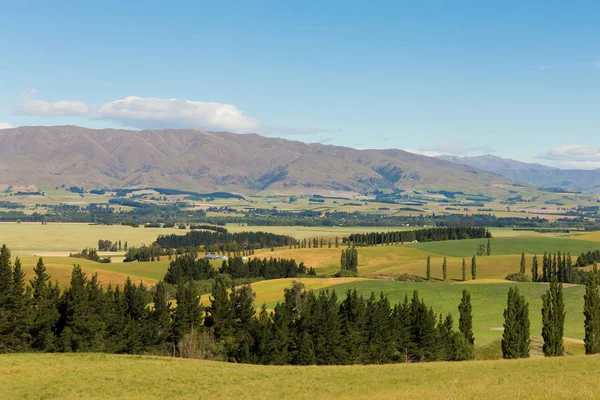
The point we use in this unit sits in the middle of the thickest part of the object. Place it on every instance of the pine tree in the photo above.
(553, 320)
(515, 338)
(445, 269)
(464, 270)
(44, 309)
(428, 270)
(474, 268)
(465, 322)
(489, 248)
(534, 269)
(19, 318)
(6, 310)
(161, 315)
(591, 311)
(306, 350)
(522, 268)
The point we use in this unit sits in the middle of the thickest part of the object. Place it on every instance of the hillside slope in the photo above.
(535, 174)
(71, 155)
(103, 376)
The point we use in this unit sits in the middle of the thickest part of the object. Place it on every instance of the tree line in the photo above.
(305, 328)
(516, 336)
(204, 238)
(188, 268)
(349, 260)
(557, 266)
(419, 235)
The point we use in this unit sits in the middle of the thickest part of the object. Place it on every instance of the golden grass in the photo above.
(397, 260)
(272, 290)
(35, 238)
(100, 376)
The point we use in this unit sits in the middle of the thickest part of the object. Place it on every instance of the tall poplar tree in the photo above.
(489, 248)
(553, 320)
(522, 268)
(445, 269)
(591, 311)
(465, 322)
(428, 271)
(464, 270)
(534, 269)
(515, 338)
(474, 268)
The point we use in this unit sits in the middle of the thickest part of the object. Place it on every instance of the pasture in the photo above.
(103, 376)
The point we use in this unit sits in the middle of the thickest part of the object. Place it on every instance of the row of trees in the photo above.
(516, 336)
(308, 243)
(349, 260)
(558, 265)
(445, 269)
(419, 235)
(589, 258)
(196, 238)
(306, 328)
(188, 268)
(107, 245)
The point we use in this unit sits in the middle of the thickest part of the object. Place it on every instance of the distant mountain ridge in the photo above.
(535, 174)
(213, 161)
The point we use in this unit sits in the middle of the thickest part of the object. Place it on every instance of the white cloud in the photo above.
(573, 156)
(457, 148)
(5, 125)
(150, 112)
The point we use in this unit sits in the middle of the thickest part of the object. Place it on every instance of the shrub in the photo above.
(409, 278)
(517, 277)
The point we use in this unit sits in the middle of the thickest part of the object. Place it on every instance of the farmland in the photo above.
(101, 376)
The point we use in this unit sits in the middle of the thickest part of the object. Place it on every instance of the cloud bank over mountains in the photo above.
(156, 113)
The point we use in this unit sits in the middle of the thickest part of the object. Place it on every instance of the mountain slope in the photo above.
(536, 174)
(193, 159)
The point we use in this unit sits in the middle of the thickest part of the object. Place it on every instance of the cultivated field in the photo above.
(101, 376)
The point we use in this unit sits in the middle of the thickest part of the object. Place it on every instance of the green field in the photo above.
(102, 376)
(506, 245)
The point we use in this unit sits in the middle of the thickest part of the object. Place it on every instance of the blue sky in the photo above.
(516, 79)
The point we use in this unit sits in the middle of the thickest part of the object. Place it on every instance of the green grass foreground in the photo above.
(100, 376)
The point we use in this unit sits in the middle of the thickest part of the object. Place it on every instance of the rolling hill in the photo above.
(199, 160)
(535, 174)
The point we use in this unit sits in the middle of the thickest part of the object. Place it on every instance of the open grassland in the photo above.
(271, 291)
(101, 376)
(502, 246)
(35, 238)
(400, 259)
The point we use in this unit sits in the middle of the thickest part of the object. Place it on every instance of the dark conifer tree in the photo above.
(473, 268)
(489, 248)
(522, 267)
(161, 316)
(553, 320)
(44, 310)
(464, 270)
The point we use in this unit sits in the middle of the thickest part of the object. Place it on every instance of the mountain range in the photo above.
(207, 161)
(579, 180)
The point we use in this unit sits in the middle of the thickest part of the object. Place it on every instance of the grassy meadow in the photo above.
(103, 376)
